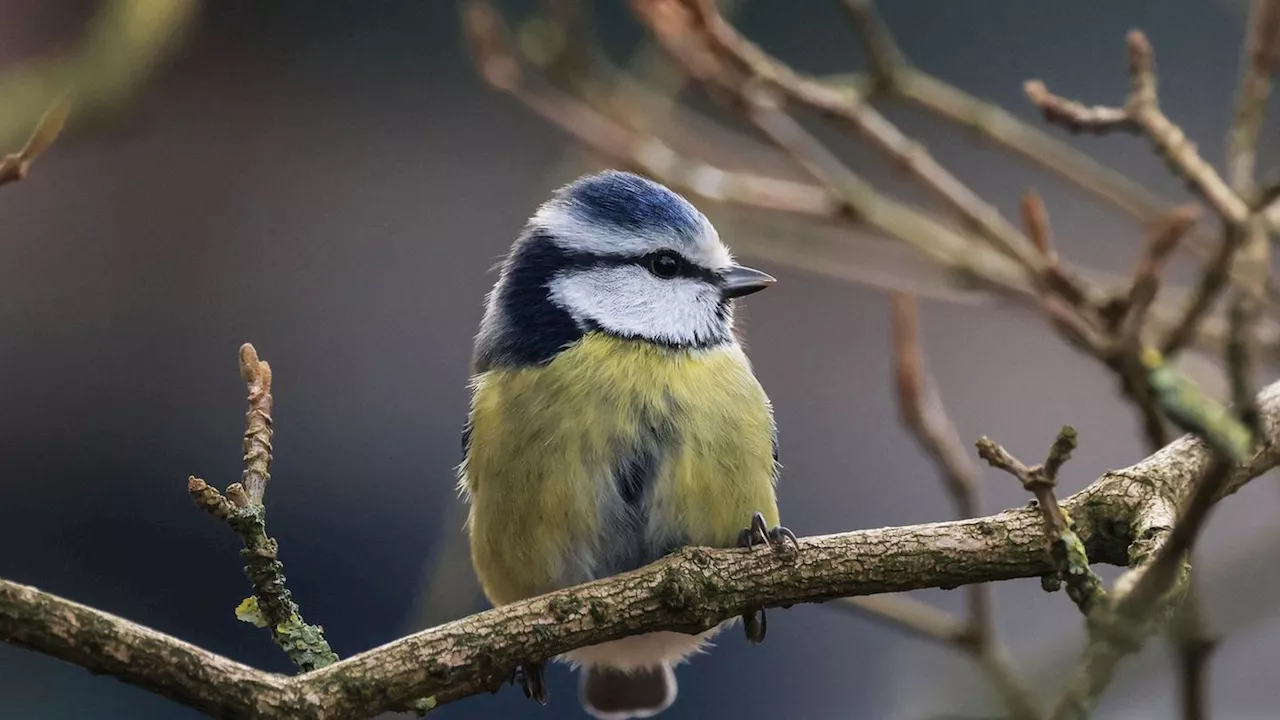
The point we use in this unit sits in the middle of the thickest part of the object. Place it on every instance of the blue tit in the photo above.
(614, 417)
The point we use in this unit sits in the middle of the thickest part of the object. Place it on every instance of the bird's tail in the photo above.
(612, 694)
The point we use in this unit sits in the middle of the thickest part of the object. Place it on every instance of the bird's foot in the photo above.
(759, 533)
(531, 676)
(755, 623)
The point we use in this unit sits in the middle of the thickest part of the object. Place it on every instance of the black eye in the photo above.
(665, 264)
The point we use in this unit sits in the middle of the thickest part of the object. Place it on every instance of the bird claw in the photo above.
(531, 677)
(755, 622)
(759, 533)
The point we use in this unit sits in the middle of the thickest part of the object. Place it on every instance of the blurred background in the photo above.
(332, 182)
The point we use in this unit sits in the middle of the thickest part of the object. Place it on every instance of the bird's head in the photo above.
(617, 253)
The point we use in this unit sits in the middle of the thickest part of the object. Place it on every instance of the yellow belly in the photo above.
(543, 441)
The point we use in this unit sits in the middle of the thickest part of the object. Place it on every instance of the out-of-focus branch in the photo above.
(892, 73)
(1194, 646)
(1130, 320)
(649, 154)
(14, 166)
(618, 127)
(923, 414)
(489, 41)
(1253, 262)
(271, 605)
(1141, 112)
(848, 107)
(125, 42)
(1166, 233)
(1261, 52)
(886, 58)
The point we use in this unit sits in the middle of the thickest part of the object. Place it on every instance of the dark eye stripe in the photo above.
(586, 261)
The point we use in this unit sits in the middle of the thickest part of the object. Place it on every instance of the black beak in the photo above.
(739, 281)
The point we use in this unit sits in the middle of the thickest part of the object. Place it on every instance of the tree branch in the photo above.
(690, 591)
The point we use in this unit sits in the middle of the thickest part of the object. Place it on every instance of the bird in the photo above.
(614, 419)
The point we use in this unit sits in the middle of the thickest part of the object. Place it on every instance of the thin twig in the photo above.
(489, 41)
(272, 605)
(1194, 645)
(1075, 116)
(923, 414)
(1035, 221)
(1259, 56)
(885, 57)
(1213, 279)
(257, 422)
(1064, 546)
(906, 613)
(1142, 111)
(1163, 239)
(14, 166)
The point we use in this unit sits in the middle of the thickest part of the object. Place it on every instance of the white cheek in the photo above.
(631, 301)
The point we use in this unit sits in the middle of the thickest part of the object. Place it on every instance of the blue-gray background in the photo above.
(333, 183)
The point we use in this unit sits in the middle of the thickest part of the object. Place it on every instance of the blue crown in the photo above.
(631, 202)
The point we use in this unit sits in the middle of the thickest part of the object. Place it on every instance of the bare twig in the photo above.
(124, 42)
(257, 422)
(1194, 646)
(906, 613)
(1213, 279)
(272, 605)
(998, 126)
(882, 50)
(922, 412)
(1165, 234)
(1070, 558)
(1261, 50)
(1035, 221)
(1253, 263)
(488, 36)
(1142, 111)
(1130, 316)
(14, 166)
(1075, 116)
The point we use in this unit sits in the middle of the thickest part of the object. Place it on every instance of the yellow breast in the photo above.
(545, 443)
